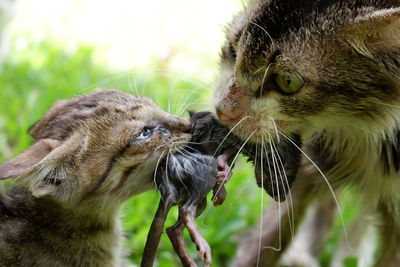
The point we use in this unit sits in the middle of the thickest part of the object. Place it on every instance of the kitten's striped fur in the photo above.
(90, 154)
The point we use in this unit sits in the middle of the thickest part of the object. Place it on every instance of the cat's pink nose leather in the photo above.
(228, 117)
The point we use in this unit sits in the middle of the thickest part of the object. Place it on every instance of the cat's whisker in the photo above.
(230, 131)
(264, 30)
(229, 169)
(385, 104)
(278, 212)
(276, 129)
(234, 159)
(264, 77)
(329, 187)
(289, 194)
(261, 206)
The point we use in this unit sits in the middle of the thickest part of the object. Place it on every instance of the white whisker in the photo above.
(289, 194)
(230, 131)
(329, 186)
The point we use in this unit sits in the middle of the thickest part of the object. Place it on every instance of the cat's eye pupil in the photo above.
(289, 84)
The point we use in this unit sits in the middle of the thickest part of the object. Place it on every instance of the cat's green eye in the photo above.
(289, 84)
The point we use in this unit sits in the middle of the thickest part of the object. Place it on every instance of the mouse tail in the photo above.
(154, 235)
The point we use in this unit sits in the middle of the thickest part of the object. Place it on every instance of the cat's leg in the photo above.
(277, 227)
(360, 241)
(390, 237)
(175, 234)
(309, 240)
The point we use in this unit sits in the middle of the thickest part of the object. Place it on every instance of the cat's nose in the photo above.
(228, 116)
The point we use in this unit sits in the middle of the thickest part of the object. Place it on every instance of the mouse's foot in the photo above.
(219, 194)
(204, 252)
(188, 215)
(224, 170)
(176, 236)
(223, 175)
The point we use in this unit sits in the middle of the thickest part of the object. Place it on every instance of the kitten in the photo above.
(90, 154)
(328, 71)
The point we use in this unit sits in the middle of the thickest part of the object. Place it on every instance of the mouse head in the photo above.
(105, 144)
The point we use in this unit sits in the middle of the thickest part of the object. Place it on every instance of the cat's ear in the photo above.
(29, 158)
(374, 30)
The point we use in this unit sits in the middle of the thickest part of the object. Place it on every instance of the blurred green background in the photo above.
(167, 50)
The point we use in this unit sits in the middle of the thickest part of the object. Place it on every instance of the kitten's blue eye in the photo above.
(164, 131)
(148, 132)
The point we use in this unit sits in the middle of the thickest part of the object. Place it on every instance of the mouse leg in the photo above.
(223, 175)
(175, 234)
(188, 213)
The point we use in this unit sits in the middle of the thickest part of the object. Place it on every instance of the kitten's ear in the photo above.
(377, 29)
(28, 158)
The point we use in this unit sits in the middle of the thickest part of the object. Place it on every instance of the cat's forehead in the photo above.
(102, 108)
(268, 20)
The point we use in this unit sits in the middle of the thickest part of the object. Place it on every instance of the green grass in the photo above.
(38, 76)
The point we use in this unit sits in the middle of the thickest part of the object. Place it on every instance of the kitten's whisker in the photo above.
(144, 86)
(156, 72)
(189, 156)
(329, 187)
(107, 194)
(131, 86)
(155, 172)
(230, 131)
(179, 177)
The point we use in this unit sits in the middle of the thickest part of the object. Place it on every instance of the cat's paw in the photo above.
(297, 258)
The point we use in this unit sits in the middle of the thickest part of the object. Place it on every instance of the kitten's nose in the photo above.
(228, 116)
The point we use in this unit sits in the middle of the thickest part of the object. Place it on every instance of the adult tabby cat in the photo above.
(329, 71)
(90, 154)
